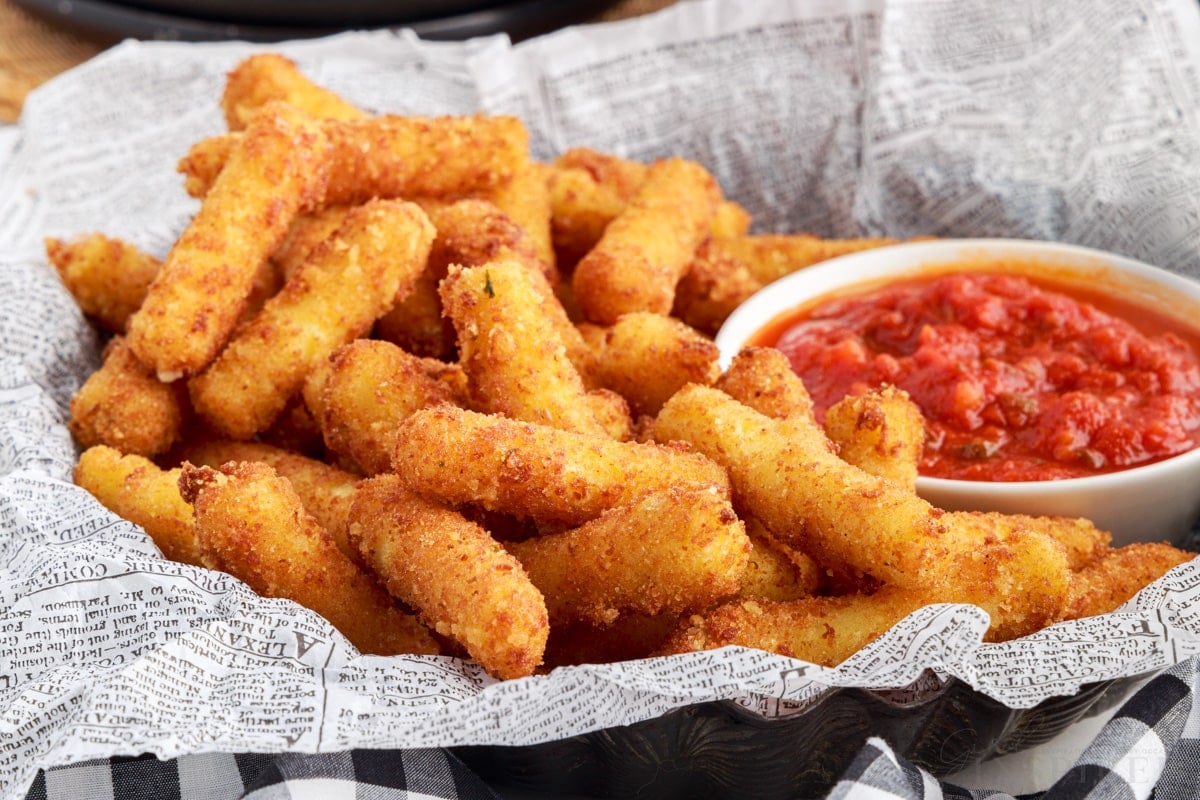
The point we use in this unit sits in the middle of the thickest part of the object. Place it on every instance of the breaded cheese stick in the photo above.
(535, 471)
(392, 156)
(763, 379)
(1119, 574)
(124, 406)
(646, 358)
(279, 168)
(366, 388)
(347, 282)
(881, 432)
(107, 277)
(819, 630)
(670, 551)
(324, 490)
(515, 361)
(458, 578)
(475, 232)
(785, 473)
(252, 523)
(769, 257)
(646, 249)
(714, 284)
(134, 488)
(268, 77)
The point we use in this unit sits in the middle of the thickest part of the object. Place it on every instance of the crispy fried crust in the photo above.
(347, 282)
(646, 358)
(279, 168)
(535, 471)
(135, 488)
(124, 406)
(390, 157)
(324, 490)
(251, 522)
(268, 77)
(647, 248)
(107, 277)
(366, 389)
(667, 552)
(461, 581)
(515, 360)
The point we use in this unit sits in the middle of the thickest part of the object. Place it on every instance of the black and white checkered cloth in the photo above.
(1150, 746)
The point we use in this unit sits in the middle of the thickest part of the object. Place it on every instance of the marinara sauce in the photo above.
(1017, 380)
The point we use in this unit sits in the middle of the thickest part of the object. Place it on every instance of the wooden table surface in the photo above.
(33, 49)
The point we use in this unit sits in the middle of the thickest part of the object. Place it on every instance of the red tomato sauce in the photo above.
(1017, 381)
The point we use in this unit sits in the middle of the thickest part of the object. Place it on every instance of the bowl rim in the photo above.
(768, 303)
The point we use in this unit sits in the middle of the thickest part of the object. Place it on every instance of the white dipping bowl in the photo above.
(1155, 502)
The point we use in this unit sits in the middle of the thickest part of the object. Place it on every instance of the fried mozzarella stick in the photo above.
(476, 232)
(646, 358)
(515, 361)
(785, 473)
(324, 490)
(670, 551)
(819, 630)
(1119, 574)
(589, 189)
(535, 471)
(881, 432)
(251, 522)
(777, 572)
(134, 488)
(279, 168)
(763, 379)
(347, 282)
(107, 277)
(268, 77)
(525, 198)
(646, 249)
(458, 578)
(366, 389)
(714, 284)
(769, 257)
(124, 406)
(391, 156)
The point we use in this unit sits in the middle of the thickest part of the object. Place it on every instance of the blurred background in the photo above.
(41, 38)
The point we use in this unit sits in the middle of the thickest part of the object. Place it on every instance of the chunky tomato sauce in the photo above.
(1017, 381)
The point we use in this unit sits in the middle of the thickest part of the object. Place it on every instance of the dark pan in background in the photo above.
(277, 20)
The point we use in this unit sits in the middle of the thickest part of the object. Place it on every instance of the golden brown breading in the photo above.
(107, 277)
(348, 281)
(458, 578)
(535, 471)
(279, 168)
(124, 406)
(646, 358)
(391, 157)
(267, 77)
(136, 489)
(669, 551)
(366, 388)
(516, 362)
(881, 432)
(251, 522)
(1119, 574)
(762, 378)
(647, 248)
(323, 489)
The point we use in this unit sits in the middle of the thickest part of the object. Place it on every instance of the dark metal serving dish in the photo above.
(721, 750)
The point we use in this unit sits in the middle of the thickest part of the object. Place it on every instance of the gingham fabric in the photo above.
(1150, 747)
